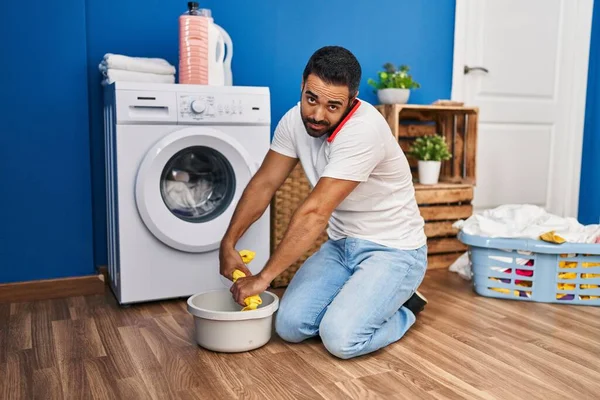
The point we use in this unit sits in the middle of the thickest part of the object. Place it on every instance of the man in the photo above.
(358, 292)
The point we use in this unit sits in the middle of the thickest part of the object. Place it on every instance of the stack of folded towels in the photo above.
(116, 67)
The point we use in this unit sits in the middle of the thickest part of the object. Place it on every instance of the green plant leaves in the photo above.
(430, 148)
(394, 78)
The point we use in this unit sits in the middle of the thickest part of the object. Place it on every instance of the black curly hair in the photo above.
(335, 65)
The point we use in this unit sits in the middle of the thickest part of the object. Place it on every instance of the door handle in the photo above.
(469, 69)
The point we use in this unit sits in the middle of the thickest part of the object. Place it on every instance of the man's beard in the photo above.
(326, 132)
(313, 133)
(310, 131)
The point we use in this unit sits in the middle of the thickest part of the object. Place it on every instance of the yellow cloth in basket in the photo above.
(552, 237)
(251, 302)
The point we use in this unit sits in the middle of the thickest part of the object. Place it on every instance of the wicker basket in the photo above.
(287, 199)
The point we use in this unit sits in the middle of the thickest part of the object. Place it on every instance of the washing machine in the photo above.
(178, 158)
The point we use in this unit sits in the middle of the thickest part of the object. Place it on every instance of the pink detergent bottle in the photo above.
(194, 45)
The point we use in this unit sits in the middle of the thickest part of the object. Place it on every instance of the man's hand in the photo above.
(246, 287)
(253, 203)
(230, 260)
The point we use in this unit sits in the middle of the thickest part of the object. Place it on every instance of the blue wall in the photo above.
(137, 28)
(51, 107)
(589, 194)
(45, 206)
(272, 43)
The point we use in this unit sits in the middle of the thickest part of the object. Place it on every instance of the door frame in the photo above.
(575, 66)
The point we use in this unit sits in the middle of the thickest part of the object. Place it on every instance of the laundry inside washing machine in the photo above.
(198, 184)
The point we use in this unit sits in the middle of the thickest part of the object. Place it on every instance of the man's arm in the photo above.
(307, 223)
(258, 194)
(253, 203)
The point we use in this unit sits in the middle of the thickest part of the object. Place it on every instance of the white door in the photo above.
(188, 185)
(524, 64)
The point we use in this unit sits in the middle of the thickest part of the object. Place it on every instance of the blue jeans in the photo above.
(351, 293)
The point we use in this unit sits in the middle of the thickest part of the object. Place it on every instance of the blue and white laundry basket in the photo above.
(534, 270)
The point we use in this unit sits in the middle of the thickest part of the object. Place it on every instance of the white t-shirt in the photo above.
(382, 208)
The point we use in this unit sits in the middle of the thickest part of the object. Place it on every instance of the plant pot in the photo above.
(429, 172)
(393, 96)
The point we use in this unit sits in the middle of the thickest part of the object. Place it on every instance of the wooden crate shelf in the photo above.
(446, 212)
(439, 228)
(457, 124)
(443, 193)
(441, 261)
(440, 206)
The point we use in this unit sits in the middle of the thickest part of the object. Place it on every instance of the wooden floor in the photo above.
(462, 346)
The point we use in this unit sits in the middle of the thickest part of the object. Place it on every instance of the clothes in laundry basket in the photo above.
(522, 221)
(552, 237)
(573, 275)
(526, 221)
(518, 282)
(518, 293)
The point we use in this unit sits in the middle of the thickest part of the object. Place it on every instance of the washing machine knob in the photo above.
(198, 106)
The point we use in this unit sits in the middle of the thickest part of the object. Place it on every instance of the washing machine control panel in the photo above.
(223, 108)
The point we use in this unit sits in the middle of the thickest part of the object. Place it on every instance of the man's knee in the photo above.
(291, 326)
(287, 327)
(339, 340)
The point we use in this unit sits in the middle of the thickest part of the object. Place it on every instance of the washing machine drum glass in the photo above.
(197, 184)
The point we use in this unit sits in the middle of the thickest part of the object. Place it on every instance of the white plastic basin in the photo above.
(221, 325)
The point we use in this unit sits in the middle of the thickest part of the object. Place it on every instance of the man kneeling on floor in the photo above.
(358, 292)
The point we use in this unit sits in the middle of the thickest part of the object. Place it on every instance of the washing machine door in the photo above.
(188, 185)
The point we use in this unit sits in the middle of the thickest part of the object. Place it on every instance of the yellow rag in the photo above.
(552, 238)
(590, 276)
(567, 264)
(247, 256)
(590, 265)
(251, 302)
(565, 286)
(567, 275)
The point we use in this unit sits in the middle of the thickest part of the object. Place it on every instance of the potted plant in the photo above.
(394, 84)
(430, 151)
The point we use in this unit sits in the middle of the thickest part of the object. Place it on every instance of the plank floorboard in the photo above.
(463, 346)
